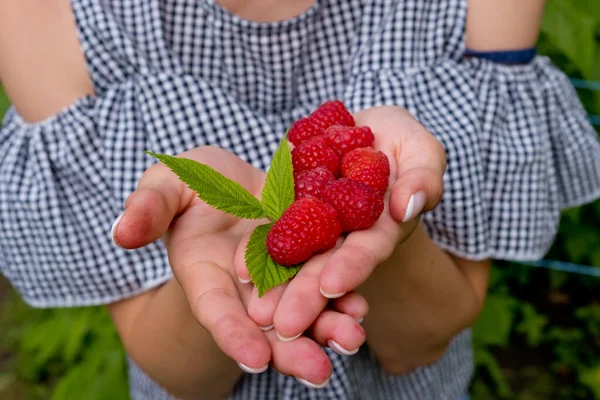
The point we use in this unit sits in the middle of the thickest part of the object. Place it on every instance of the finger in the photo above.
(215, 303)
(262, 309)
(161, 196)
(416, 190)
(352, 304)
(302, 358)
(151, 208)
(420, 165)
(302, 302)
(362, 251)
(340, 332)
(239, 262)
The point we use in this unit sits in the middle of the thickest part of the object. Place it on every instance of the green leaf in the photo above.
(591, 378)
(215, 189)
(485, 359)
(278, 193)
(532, 325)
(265, 272)
(495, 321)
(571, 31)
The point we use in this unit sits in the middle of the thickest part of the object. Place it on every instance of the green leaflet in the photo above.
(278, 193)
(265, 272)
(215, 189)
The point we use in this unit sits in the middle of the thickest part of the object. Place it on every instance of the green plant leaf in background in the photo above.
(278, 193)
(591, 378)
(573, 32)
(495, 321)
(4, 102)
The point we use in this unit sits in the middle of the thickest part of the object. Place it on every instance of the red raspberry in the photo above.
(302, 130)
(368, 166)
(328, 114)
(311, 183)
(343, 139)
(315, 153)
(358, 206)
(332, 113)
(308, 226)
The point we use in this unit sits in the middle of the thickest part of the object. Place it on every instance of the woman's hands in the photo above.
(417, 164)
(201, 244)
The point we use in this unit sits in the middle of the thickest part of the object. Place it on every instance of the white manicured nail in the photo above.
(114, 228)
(360, 320)
(331, 296)
(312, 385)
(244, 281)
(285, 339)
(415, 206)
(266, 328)
(249, 370)
(335, 346)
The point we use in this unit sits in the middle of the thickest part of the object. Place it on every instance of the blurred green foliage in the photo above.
(537, 337)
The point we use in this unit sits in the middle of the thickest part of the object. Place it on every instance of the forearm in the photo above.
(162, 336)
(450, 294)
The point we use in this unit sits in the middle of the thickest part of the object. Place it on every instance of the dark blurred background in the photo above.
(537, 338)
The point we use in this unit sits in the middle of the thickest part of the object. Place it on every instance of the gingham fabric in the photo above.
(170, 75)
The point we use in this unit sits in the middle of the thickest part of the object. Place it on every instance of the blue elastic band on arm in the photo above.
(505, 57)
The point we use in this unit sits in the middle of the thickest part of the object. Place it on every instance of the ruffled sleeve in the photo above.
(63, 181)
(519, 146)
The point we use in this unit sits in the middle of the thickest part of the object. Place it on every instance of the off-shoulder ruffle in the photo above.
(65, 179)
(519, 145)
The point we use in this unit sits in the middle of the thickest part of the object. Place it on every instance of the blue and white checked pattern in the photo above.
(170, 75)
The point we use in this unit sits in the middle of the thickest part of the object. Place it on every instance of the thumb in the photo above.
(149, 210)
(420, 163)
(416, 190)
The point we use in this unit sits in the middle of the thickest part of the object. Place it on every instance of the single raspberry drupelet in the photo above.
(343, 139)
(311, 183)
(358, 206)
(315, 153)
(308, 226)
(368, 166)
(328, 114)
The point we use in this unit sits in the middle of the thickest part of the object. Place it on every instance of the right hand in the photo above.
(201, 243)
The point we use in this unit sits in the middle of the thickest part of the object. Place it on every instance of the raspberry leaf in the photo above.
(212, 187)
(278, 193)
(265, 272)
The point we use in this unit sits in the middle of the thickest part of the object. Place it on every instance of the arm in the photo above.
(495, 25)
(451, 289)
(439, 294)
(43, 71)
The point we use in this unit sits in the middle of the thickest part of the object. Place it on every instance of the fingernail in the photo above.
(331, 296)
(335, 346)
(114, 228)
(285, 339)
(249, 370)
(244, 281)
(267, 328)
(312, 385)
(415, 206)
(360, 320)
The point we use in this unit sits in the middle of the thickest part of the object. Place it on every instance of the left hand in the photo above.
(417, 164)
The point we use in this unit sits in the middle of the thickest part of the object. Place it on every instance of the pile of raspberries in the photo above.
(339, 182)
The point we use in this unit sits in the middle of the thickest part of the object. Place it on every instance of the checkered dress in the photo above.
(170, 75)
